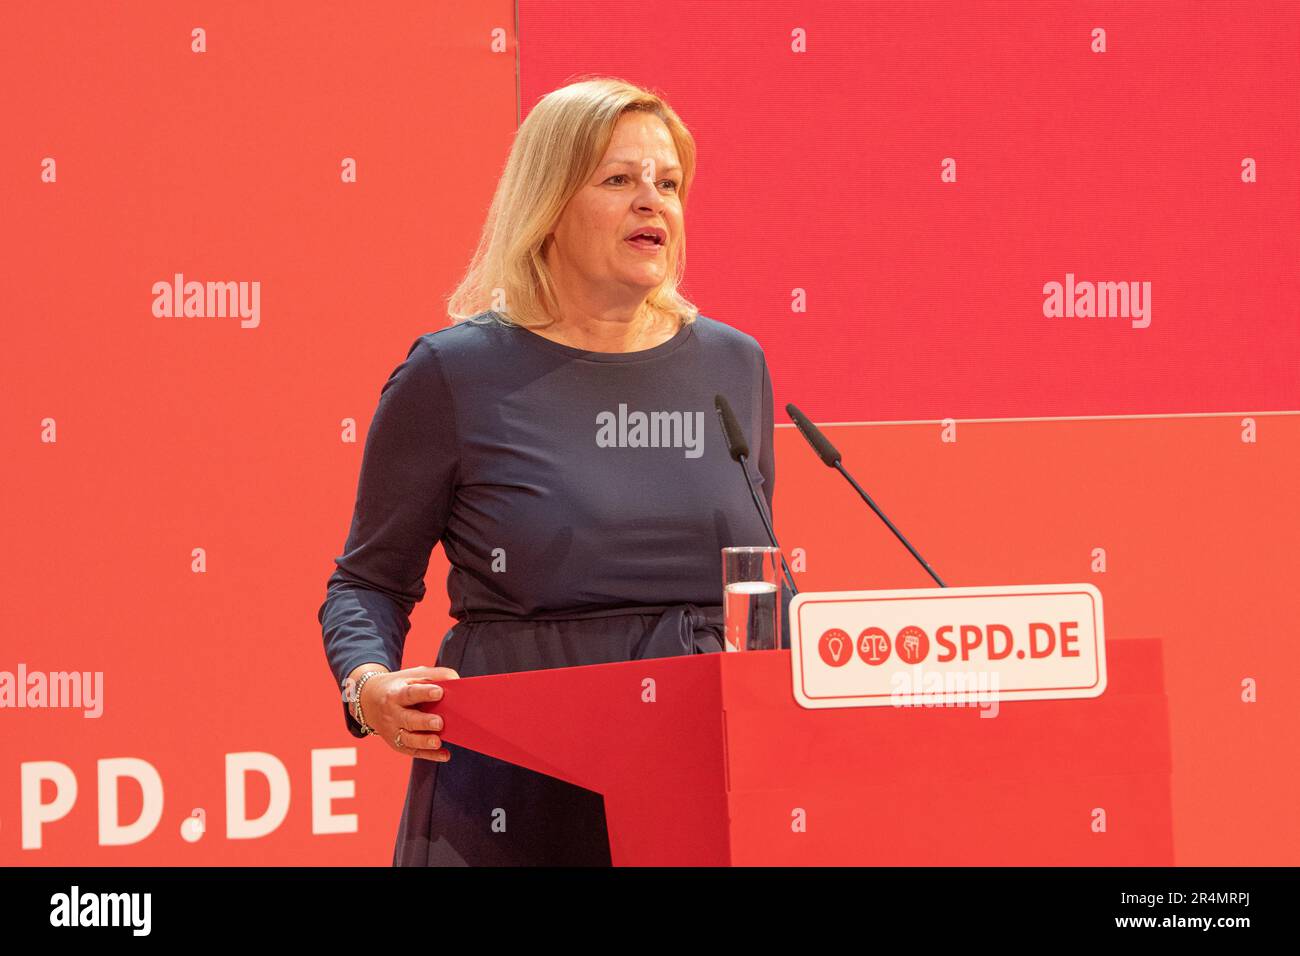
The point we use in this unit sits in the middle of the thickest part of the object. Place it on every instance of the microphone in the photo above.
(738, 448)
(830, 456)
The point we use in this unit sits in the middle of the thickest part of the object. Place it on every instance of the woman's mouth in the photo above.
(645, 242)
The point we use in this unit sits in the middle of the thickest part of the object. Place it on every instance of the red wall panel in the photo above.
(179, 433)
(821, 170)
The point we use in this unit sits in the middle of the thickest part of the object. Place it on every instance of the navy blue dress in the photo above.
(582, 499)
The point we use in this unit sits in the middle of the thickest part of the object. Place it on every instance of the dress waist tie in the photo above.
(681, 629)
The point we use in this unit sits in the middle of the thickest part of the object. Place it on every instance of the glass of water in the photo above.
(751, 594)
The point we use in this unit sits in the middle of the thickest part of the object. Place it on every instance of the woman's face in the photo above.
(633, 188)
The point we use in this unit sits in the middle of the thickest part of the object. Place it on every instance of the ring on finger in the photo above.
(398, 739)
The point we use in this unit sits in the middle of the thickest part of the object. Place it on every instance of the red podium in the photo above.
(708, 761)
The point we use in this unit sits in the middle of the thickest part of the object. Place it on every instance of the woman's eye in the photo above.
(670, 182)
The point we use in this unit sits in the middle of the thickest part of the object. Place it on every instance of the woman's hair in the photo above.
(555, 151)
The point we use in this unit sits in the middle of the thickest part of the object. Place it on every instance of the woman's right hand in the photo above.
(389, 701)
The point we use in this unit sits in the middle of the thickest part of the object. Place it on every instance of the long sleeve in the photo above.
(404, 494)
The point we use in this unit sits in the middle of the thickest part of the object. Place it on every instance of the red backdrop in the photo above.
(919, 170)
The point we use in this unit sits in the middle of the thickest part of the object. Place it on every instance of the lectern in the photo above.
(708, 761)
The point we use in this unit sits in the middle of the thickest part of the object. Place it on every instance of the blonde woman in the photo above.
(560, 440)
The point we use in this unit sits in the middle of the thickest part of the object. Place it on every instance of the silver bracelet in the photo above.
(361, 720)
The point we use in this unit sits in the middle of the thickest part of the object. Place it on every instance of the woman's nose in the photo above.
(647, 196)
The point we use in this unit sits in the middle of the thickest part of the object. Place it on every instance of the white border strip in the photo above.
(1063, 418)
